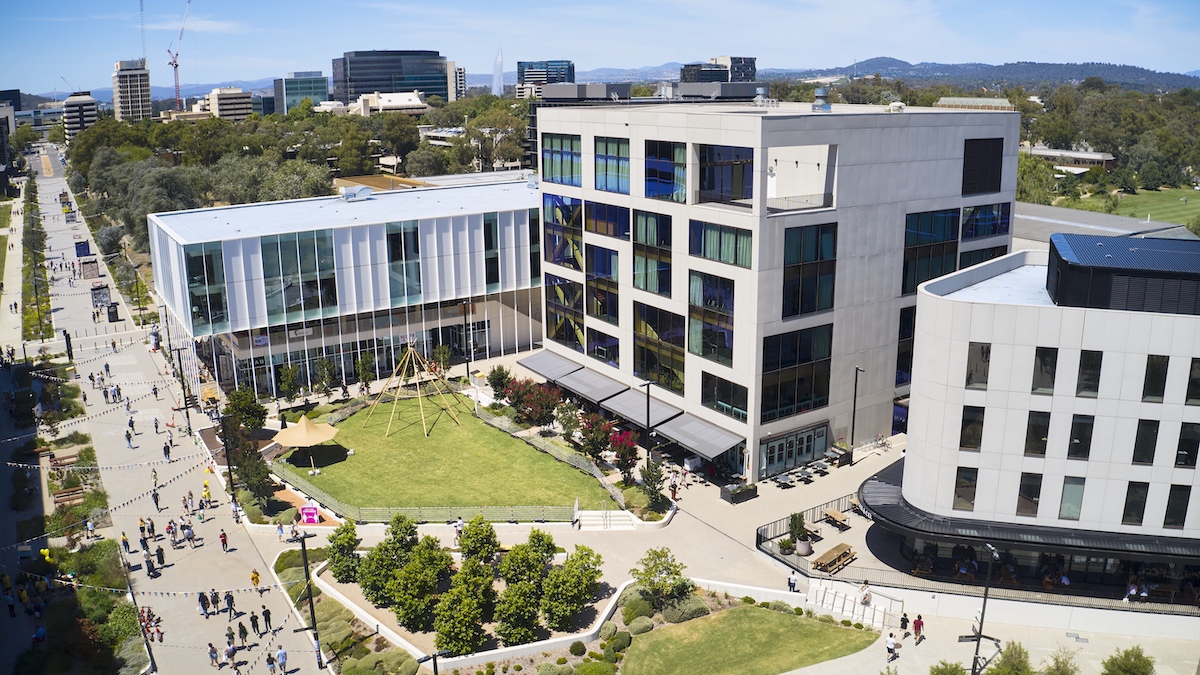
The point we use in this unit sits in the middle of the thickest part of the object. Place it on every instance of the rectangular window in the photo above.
(809, 264)
(1072, 498)
(930, 247)
(1080, 446)
(607, 219)
(205, 268)
(726, 174)
(1189, 443)
(969, 258)
(904, 347)
(989, 220)
(1045, 363)
(723, 396)
(979, 356)
(710, 317)
(652, 252)
(563, 243)
(1193, 388)
(658, 350)
(1145, 442)
(971, 436)
(603, 297)
(1135, 503)
(666, 171)
(404, 262)
(983, 160)
(1155, 384)
(535, 247)
(491, 251)
(964, 488)
(564, 312)
(562, 159)
(612, 164)
(603, 347)
(796, 372)
(1088, 383)
(1177, 506)
(722, 243)
(1029, 494)
(1037, 430)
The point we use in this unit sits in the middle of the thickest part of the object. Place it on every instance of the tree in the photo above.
(399, 133)
(517, 614)
(498, 378)
(414, 588)
(249, 466)
(1124, 178)
(947, 668)
(624, 443)
(23, 136)
(57, 134)
(343, 552)
(542, 544)
(597, 433)
(458, 620)
(354, 155)
(567, 416)
(517, 390)
(567, 590)
(365, 367)
(478, 540)
(661, 575)
(477, 578)
(426, 160)
(289, 382)
(1035, 179)
(326, 374)
(441, 356)
(528, 561)
(381, 564)
(1130, 661)
(242, 403)
(1061, 662)
(537, 407)
(653, 478)
(1013, 660)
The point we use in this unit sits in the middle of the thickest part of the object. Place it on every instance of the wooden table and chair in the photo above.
(835, 518)
(835, 558)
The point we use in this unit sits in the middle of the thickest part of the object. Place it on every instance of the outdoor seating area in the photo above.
(835, 558)
(804, 473)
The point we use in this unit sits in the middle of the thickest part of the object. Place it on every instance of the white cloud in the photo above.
(200, 25)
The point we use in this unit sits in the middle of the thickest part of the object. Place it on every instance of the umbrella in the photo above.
(305, 433)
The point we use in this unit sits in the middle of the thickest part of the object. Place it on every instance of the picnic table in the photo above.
(835, 558)
(836, 518)
(69, 496)
(60, 461)
(803, 475)
(820, 467)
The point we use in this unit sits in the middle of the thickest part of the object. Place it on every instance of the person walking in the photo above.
(904, 625)
(107, 372)
(231, 652)
(254, 579)
(281, 659)
(167, 451)
(154, 477)
(131, 428)
(125, 542)
(91, 528)
(224, 541)
(150, 529)
(266, 615)
(105, 392)
(215, 601)
(142, 526)
(792, 582)
(128, 439)
(149, 563)
(204, 607)
(243, 633)
(161, 556)
(156, 425)
(279, 530)
(270, 663)
(154, 497)
(254, 624)
(12, 604)
(170, 439)
(229, 604)
(890, 643)
(919, 629)
(154, 390)
(212, 655)
(191, 536)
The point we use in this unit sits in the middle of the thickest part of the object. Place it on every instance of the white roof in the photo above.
(1025, 285)
(321, 213)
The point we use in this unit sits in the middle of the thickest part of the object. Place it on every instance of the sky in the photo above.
(72, 44)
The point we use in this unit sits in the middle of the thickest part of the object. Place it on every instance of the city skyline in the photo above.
(225, 41)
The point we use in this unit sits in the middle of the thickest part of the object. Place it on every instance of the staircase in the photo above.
(606, 520)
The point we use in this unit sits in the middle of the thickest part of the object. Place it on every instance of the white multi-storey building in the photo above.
(259, 286)
(131, 91)
(758, 262)
(1056, 415)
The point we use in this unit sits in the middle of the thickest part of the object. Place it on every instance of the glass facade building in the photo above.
(291, 90)
(367, 72)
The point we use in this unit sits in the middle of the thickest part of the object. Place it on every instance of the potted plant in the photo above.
(739, 492)
(787, 546)
(800, 534)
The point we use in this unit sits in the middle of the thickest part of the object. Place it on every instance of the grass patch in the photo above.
(316, 413)
(469, 465)
(4, 214)
(1164, 205)
(743, 640)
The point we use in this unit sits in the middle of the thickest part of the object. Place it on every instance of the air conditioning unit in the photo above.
(356, 193)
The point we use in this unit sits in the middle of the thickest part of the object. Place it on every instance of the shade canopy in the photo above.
(305, 433)
(549, 365)
(632, 404)
(591, 385)
(701, 437)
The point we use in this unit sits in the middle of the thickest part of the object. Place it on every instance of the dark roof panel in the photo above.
(1168, 256)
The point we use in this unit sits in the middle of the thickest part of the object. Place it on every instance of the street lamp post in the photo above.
(187, 413)
(434, 657)
(312, 613)
(978, 664)
(854, 410)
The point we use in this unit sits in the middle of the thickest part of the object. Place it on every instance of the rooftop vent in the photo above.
(761, 99)
(356, 193)
(822, 103)
(531, 181)
(896, 107)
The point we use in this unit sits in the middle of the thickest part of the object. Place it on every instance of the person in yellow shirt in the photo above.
(254, 579)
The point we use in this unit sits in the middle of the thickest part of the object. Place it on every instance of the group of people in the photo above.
(31, 592)
(893, 643)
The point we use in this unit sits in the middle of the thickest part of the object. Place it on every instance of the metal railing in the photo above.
(421, 514)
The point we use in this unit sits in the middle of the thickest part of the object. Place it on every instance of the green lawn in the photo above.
(3, 251)
(5, 213)
(471, 465)
(743, 641)
(1165, 205)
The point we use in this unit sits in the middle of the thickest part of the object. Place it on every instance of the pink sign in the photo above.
(309, 515)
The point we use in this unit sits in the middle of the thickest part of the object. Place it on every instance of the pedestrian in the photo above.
(154, 477)
(128, 439)
(191, 537)
(142, 526)
(792, 582)
(170, 439)
(149, 563)
(224, 539)
(114, 345)
(125, 542)
(281, 659)
(156, 425)
(279, 530)
(229, 604)
(142, 542)
(204, 605)
(131, 429)
(230, 653)
(891, 647)
(106, 370)
(12, 604)
(154, 390)
(127, 409)
(105, 392)
(254, 579)
(242, 633)
(150, 529)
(154, 496)
(904, 625)
(84, 394)
(215, 600)
(162, 557)
(167, 452)
(919, 629)
(212, 654)
(266, 615)
(91, 529)
(183, 503)
(200, 513)
(270, 663)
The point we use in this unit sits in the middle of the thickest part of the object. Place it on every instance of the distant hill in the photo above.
(1193, 73)
(104, 94)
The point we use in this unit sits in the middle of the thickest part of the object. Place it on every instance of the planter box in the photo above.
(744, 494)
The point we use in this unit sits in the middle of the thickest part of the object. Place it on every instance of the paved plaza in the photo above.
(714, 539)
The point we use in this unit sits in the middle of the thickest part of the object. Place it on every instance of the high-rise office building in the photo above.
(703, 72)
(131, 91)
(367, 72)
(80, 111)
(760, 273)
(533, 75)
(230, 103)
(296, 87)
(457, 81)
(11, 97)
(741, 68)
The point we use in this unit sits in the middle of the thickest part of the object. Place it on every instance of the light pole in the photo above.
(434, 657)
(312, 613)
(854, 410)
(187, 413)
(976, 666)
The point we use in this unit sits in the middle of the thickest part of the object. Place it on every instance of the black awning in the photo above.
(703, 438)
(591, 385)
(549, 365)
(631, 404)
(881, 496)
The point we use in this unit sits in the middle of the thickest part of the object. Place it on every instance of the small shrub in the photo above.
(747, 600)
(809, 613)
(826, 618)
(288, 516)
(610, 654)
(642, 624)
(780, 606)
(595, 656)
(577, 648)
(554, 669)
(596, 668)
(847, 623)
(620, 641)
(561, 660)
(517, 667)
(639, 607)
(764, 604)
(607, 630)
(858, 625)
(684, 609)
(631, 593)
(799, 611)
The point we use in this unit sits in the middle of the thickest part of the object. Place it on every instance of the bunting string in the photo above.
(106, 467)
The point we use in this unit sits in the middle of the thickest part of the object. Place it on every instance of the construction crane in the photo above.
(174, 62)
(142, 9)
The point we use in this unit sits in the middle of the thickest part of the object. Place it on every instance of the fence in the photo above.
(781, 528)
(421, 514)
